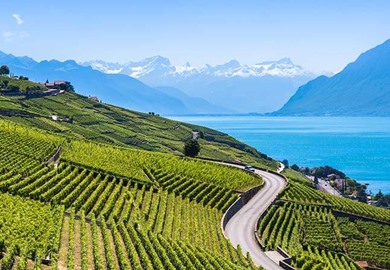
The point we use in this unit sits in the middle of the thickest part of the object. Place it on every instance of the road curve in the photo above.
(241, 227)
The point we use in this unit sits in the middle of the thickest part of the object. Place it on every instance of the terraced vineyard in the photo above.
(132, 164)
(104, 123)
(186, 210)
(160, 217)
(303, 223)
(107, 206)
(22, 149)
(306, 195)
(119, 247)
(366, 241)
(28, 229)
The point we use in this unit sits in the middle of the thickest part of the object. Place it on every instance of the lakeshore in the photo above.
(357, 146)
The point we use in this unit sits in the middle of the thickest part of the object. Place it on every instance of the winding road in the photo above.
(241, 227)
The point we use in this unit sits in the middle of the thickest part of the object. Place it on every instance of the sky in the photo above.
(321, 36)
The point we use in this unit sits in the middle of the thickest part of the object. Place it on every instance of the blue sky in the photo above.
(318, 35)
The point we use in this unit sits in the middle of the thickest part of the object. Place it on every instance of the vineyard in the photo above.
(104, 123)
(28, 229)
(131, 163)
(163, 214)
(303, 223)
(366, 241)
(306, 195)
(184, 212)
(119, 246)
(22, 149)
(106, 206)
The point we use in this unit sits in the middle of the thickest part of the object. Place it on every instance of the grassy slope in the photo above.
(109, 124)
(22, 85)
(295, 176)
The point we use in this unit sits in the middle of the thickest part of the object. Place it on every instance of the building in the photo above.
(60, 84)
(54, 117)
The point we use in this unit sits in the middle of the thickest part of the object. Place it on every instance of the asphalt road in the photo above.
(241, 227)
(325, 186)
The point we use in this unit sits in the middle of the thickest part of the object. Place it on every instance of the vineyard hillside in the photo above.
(86, 185)
(321, 231)
(74, 116)
(156, 211)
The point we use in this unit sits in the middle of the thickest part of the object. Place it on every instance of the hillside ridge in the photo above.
(360, 89)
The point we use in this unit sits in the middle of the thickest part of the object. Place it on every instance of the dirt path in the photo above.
(63, 252)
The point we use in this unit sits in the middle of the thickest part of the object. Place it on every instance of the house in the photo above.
(61, 118)
(340, 183)
(56, 84)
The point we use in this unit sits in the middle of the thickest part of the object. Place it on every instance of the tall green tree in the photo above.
(191, 148)
(4, 70)
(295, 167)
(285, 162)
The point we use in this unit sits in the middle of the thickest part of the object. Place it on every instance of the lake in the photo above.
(358, 146)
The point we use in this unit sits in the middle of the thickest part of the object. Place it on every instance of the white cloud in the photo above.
(18, 18)
(10, 36)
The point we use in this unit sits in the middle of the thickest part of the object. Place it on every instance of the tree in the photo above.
(379, 195)
(67, 86)
(384, 201)
(285, 162)
(191, 148)
(295, 167)
(4, 70)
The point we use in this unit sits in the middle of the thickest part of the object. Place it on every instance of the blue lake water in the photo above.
(358, 146)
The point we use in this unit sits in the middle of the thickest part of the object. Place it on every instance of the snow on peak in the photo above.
(109, 68)
(153, 61)
(161, 67)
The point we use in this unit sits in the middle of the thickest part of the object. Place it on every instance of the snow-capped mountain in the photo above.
(108, 68)
(116, 89)
(261, 87)
(161, 65)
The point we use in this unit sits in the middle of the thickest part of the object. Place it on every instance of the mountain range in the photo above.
(261, 87)
(154, 68)
(362, 88)
(117, 89)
